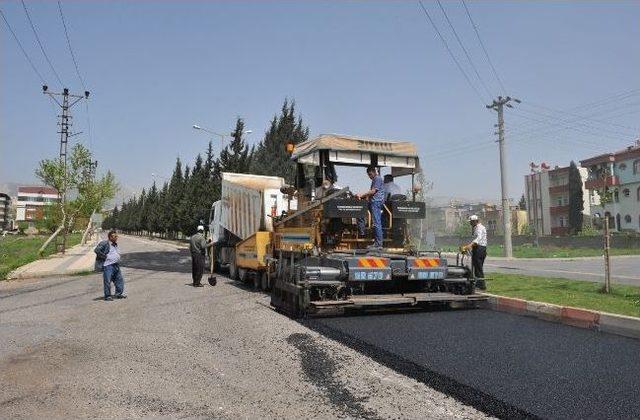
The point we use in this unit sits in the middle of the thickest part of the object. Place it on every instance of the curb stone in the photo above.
(626, 326)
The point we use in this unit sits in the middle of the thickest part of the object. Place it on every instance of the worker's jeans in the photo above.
(112, 273)
(197, 267)
(376, 218)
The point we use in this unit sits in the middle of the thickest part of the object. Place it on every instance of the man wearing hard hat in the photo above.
(198, 246)
(478, 247)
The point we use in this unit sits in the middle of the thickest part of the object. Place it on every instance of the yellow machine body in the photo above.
(252, 252)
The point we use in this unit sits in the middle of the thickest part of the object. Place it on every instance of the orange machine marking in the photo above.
(373, 262)
(426, 262)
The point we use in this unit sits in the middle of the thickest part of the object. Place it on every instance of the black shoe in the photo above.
(108, 298)
(198, 285)
(121, 296)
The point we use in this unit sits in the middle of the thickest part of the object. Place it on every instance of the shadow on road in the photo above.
(170, 261)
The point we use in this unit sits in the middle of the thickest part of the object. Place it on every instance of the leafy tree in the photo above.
(77, 177)
(576, 203)
(522, 204)
(271, 157)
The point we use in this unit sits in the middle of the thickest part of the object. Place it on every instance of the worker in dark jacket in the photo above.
(108, 261)
(198, 246)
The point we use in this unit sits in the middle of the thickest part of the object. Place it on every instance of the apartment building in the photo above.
(31, 202)
(547, 197)
(5, 211)
(620, 172)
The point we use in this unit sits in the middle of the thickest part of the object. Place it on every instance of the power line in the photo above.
(576, 123)
(464, 49)
(73, 56)
(462, 146)
(580, 116)
(486, 54)
(15, 37)
(24, 6)
(453, 57)
(541, 125)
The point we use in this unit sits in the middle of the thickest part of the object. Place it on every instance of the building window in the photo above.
(626, 192)
(627, 219)
(638, 193)
(616, 196)
(618, 222)
(636, 166)
(563, 221)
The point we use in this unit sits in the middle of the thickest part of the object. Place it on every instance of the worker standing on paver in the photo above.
(390, 187)
(375, 195)
(198, 246)
(478, 247)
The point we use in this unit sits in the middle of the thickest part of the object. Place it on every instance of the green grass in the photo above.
(16, 251)
(528, 251)
(623, 300)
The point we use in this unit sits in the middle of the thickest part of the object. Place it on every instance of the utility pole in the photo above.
(66, 105)
(498, 105)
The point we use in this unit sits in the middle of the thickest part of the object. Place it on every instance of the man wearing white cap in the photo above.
(198, 247)
(478, 247)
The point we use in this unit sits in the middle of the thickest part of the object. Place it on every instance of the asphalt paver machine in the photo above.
(320, 264)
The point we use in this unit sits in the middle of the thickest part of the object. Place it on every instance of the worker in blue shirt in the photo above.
(376, 196)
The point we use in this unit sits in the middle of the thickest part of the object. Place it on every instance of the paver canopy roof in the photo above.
(356, 144)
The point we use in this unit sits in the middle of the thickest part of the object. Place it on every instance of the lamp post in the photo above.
(222, 136)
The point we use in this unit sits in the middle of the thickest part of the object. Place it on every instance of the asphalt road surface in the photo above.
(624, 269)
(171, 350)
(507, 365)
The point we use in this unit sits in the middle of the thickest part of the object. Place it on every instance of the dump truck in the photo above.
(312, 257)
(241, 224)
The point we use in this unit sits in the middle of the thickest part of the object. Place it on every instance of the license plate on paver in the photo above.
(430, 275)
(368, 275)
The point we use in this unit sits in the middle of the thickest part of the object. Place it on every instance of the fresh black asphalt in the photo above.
(507, 365)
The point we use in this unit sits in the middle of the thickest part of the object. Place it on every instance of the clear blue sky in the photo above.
(364, 68)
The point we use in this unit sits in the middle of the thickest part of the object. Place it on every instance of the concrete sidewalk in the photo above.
(78, 259)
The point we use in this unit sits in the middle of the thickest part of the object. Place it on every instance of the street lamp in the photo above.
(222, 136)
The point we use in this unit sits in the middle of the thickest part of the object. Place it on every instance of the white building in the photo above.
(31, 202)
(547, 197)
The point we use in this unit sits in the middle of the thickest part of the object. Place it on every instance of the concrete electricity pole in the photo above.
(498, 105)
(64, 140)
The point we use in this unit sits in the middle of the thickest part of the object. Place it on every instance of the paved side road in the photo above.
(624, 269)
(173, 350)
(510, 365)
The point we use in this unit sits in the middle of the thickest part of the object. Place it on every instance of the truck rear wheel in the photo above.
(233, 269)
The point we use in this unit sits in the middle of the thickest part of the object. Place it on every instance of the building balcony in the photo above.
(599, 183)
(559, 209)
(559, 231)
(559, 189)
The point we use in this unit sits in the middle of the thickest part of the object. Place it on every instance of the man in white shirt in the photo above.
(390, 187)
(478, 248)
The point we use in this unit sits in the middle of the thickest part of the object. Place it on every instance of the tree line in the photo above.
(179, 205)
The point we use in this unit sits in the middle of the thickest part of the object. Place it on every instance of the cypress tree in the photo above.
(173, 200)
(576, 203)
(271, 157)
(522, 204)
